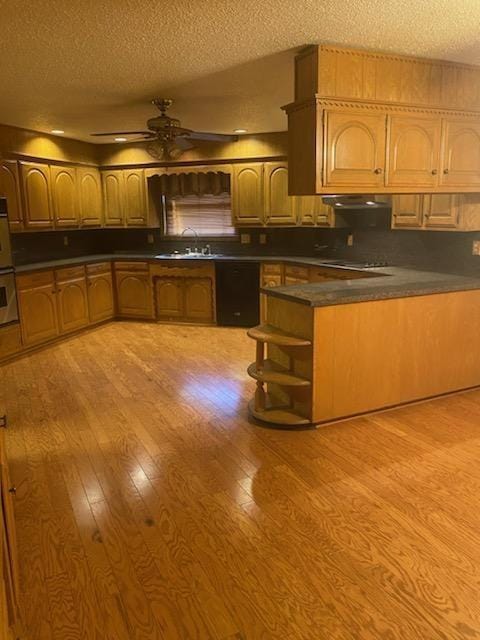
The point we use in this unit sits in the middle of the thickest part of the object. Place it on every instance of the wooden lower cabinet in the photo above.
(184, 299)
(101, 304)
(37, 307)
(72, 300)
(134, 290)
(10, 619)
(10, 340)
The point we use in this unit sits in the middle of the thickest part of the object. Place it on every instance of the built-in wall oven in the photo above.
(8, 294)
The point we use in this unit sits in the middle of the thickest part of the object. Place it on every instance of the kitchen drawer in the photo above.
(294, 271)
(273, 280)
(99, 267)
(272, 268)
(183, 269)
(10, 340)
(131, 266)
(70, 273)
(294, 280)
(35, 279)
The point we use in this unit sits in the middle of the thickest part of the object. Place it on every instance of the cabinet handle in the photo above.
(445, 171)
(3, 421)
(13, 490)
(434, 172)
(378, 171)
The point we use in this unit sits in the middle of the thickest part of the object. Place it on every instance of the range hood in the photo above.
(358, 202)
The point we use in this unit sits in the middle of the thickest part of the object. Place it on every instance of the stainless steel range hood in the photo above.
(358, 202)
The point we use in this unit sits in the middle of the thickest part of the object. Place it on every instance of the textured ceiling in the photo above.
(93, 65)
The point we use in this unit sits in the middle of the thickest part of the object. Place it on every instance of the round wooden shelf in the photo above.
(272, 335)
(277, 415)
(274, 373)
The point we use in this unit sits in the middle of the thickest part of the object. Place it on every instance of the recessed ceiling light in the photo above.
(240, 131)
(120, 139)
(57, 132)
(338, 204)
(370, 203)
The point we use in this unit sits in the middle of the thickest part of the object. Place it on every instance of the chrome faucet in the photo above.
(197, 248)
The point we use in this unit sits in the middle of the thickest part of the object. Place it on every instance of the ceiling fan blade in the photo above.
(212, 137)
(183, 143)
(124, 133)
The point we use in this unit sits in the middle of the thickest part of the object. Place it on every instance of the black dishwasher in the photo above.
(237, 295)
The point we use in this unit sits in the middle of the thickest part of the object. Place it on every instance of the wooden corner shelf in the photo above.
(271, 335)
(277, 415)
(276, 374)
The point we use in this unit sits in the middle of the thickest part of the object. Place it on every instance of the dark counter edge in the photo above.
(393, 282)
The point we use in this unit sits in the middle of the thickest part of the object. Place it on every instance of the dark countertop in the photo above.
(395, 282)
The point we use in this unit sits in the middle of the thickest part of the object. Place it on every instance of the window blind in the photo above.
(209, 215)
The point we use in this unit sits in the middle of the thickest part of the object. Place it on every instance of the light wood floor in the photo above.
(149, 508)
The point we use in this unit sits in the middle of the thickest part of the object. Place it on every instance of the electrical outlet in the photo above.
(263, 238)
(350, 240)
(150, 238)
(245, 238)
(476, 248)
(65, 241)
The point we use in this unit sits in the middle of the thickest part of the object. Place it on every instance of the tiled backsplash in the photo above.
(372, 240)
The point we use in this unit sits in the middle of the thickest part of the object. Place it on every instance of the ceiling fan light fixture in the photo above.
(57, 132)
(240, 130)
(120, 139)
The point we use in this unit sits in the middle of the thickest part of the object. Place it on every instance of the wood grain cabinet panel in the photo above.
(441, 210)
(134, 294)
(35, 180)
(413, 151)
(37, 308)
(311, 210)
(89, 197)
(64, 196)
(135, 197)
(10, 189)
(355, 149)
(407, 211)
(279, 207)
(113, 197)
(72, 299)
(247, 194)
(170, 298)
(101, 303)
(198, 300)
(460, 154)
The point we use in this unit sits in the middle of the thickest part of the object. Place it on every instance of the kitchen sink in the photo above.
(182, 256)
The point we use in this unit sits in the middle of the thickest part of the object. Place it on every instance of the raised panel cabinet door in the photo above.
(36, 195)
(72, 304)
(101, 305)
(90, 197)
(413, 151)
(460, 154)
(355, 148)
(10, 189)
(135, 197)
(38, 314)
(247, 194)
(134, 295)
(198, 300)
(64, 196)
(441, 210)
(407, 211)
(279, 207)
(113, 197)
(10, 540)
(170, 297)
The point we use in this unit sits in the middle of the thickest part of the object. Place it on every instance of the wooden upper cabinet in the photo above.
(354, 149)
(10, 189)
(135, 197)
(72, 298)
(113, 196)
(407, 211)
(89, 197)
(413, 151)
(35, 179)
(64, 196)
(247, 194)
(441, 210)
(460, 154)
(279, 207)
(312, 211)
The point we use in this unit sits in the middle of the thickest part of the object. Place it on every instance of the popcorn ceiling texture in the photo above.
(89, 66)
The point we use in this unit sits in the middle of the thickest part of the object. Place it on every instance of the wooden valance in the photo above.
(192, 183)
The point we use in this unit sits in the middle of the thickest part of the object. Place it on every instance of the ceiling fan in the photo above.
(167, 139)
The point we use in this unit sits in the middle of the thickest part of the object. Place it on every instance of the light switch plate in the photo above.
(150, 238)
(65, 241)
(263, 238)
(476, 248)
(350, 240)
(245, 238)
